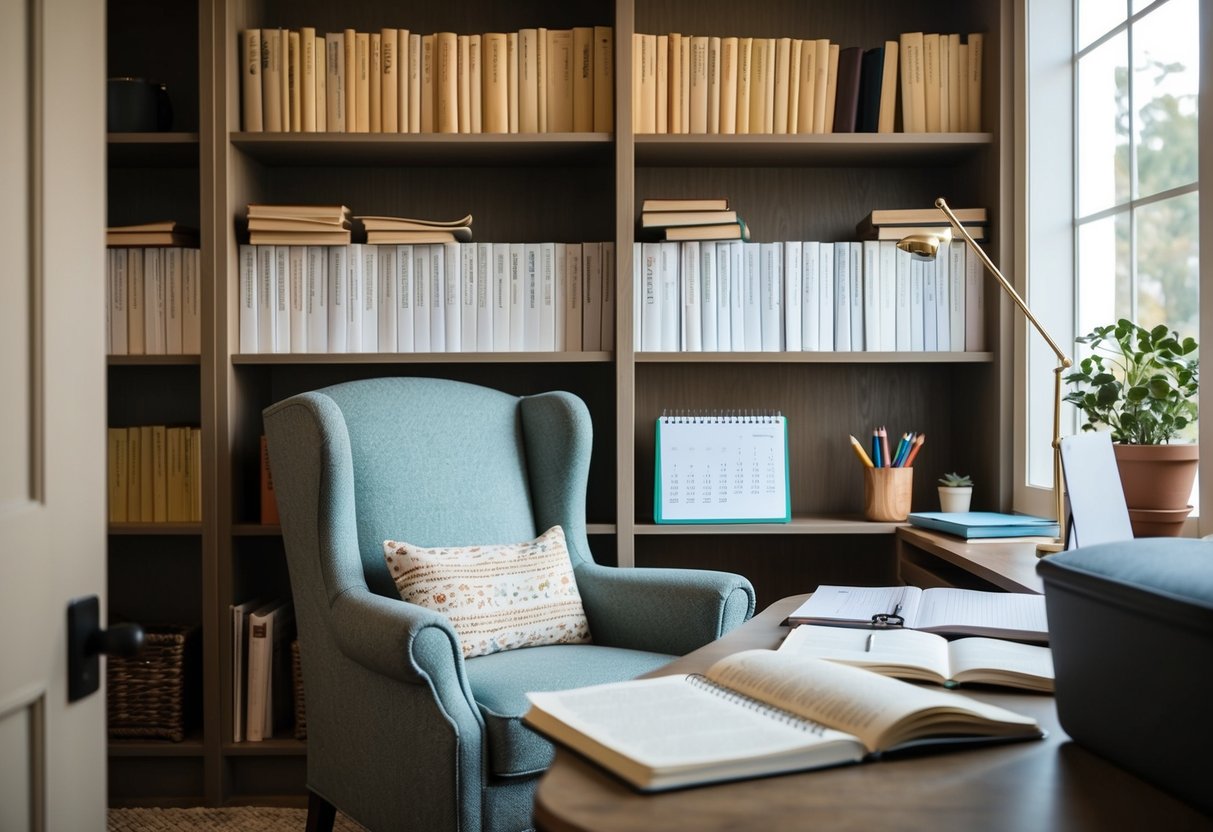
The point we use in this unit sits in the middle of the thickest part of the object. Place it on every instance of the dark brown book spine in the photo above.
(846, 101)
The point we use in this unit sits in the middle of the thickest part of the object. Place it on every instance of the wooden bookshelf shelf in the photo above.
(833, 149)
(276, 747)
(192, 747)
(365, 149)
(427, 358)
(153, 360)
(155, 529)
(814, 357)
(798, 526)
(152, 150)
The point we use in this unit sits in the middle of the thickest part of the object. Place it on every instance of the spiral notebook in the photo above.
(722, 467)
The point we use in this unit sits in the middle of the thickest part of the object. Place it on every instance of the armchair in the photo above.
(403, 732)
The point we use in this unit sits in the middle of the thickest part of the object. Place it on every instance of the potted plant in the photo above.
(1141, 384)
(955, 492)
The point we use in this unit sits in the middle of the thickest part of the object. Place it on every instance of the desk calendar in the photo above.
(727, 467)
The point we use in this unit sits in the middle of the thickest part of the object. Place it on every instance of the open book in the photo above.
(964, 612)
(755, 713)
(913, 654)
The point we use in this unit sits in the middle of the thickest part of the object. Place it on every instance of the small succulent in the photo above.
(954, 480)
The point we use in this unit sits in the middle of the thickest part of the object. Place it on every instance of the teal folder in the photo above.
(722, 468)
(983, 524)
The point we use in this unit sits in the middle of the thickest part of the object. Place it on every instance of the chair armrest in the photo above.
(670, 611)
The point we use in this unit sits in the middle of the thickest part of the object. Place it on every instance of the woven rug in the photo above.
(231, 819)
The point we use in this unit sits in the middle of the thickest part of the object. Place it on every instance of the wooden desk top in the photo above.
(1051, 784)
(1007, 565)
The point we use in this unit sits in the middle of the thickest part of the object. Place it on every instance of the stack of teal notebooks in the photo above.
(982, 524)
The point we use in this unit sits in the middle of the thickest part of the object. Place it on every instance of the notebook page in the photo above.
(968, 609)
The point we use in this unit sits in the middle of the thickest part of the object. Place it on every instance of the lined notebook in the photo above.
(722, 467)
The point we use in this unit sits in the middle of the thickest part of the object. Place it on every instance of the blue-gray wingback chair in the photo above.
(403, 733)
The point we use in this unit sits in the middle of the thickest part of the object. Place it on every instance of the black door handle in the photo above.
(86, 641)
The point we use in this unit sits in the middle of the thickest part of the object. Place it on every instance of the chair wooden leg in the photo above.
(320, 813)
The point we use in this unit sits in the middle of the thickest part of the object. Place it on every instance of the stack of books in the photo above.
(298, 225)
(895, 223)
(405, 231)
(691, 219)
(160, 233)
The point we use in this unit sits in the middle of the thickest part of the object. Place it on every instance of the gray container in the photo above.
(1131, 628)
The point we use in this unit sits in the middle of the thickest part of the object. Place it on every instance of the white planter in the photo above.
(955, 498)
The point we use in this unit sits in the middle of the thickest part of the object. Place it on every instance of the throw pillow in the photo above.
(498, 597)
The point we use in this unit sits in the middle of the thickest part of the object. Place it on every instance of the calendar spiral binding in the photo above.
(778, 714)
(707, 417)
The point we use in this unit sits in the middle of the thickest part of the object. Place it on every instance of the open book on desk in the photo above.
(756, 713)
(913, 654)
(943, 610)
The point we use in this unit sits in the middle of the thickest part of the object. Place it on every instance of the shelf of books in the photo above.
(424, 148)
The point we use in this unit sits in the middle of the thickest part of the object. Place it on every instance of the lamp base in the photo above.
(1043, 549)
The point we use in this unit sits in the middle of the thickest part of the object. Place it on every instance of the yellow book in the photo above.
(794, 86)
(604, 79)
(541, 77)
(808, 72)
(174, 481)
(713, 85)
(116, 464)
(134, 476)
(375, 77)
(284, 88)
(320, 51)
(758, 85)
(783, 65)
(684, 86)
(350, 76)
(389, 87)
(307, 82)
(494, 86)
(414, 82)
(295, 80)
(511, 76)
(888, 89)
(196, 474)
(821, 85)
(583, 79)
(271, 76)
(662, 106)
(474, 77)
(334, 80)
(831, 87)
(930, 81)
(528, 87)
(147, 481)
(159, 474)
(648, 84)
(559, 80)
(673, 73)
(463, 83)
(250, 81)
(403, 97)
(976, 47)
(745, 51)
(362, 88)
(699, 85)
(963, 98)
(768, 106)
(913, 95)
(428, 88)
(728, 85)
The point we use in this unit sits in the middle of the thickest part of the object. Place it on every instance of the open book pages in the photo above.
(943, 610)
(913, 654)
(758, 712)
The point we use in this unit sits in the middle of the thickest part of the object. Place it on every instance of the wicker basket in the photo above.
(152, 695)
(297, 677)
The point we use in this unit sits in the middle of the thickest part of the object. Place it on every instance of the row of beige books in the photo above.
(699, 84)
(796, 296)
(448, 297)
(535, 80)
(262, 685)
(154, 474)
(153, 301)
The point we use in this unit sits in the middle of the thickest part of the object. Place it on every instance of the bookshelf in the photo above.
(531, 188)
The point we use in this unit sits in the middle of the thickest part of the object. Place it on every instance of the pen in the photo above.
(867, 648)
(861, 453)
(876, 460)
(922, 437)
(884, 448)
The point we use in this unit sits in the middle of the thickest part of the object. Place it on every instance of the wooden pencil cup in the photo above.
(886, 493)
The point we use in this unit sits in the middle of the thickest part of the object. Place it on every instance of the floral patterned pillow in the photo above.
(498, 597)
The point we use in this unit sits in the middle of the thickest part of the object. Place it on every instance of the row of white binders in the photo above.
(806, 296)
(453, 297)
(153, 301)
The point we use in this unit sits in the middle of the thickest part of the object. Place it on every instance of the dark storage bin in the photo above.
(154, 694)
(1131, 627)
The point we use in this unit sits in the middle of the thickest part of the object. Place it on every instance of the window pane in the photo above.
(1166, 69)
(1138, 5)
(1168, 278)
(1103, 272)
(1103, 126)
(1096, 17)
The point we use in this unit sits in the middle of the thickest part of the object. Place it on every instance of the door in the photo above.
(52, 404)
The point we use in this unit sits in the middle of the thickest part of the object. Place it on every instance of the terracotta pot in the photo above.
(1158, 479)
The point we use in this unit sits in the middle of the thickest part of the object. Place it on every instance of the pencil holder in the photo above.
(886, 493)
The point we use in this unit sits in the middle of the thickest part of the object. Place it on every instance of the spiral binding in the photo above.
(717, 417)
(778, 714)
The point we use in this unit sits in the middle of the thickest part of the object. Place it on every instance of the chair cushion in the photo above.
(498, 597)
(500, 682)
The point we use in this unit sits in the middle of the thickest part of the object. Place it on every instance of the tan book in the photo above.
(662, 107)
(284, 86)
(716, 204)
(637, 39)
(295, 224)
(511, 77)
(897, 232)
(147, 480)
(728, 85)
(193, 480)
(429, 66)
(389, 86)
(334, 104)
(463, 84)
(350, 52)
(330, 213)
(831, 87)
(723, 231)
(250, 81)
(494, 87)
(528, 86)
(307, 79)
(376, 223)
(416, 99)
(362, 88)
(713, 85)
(434, 235)
(976, 48)
(134, 475)
(812, 714)
(375, 76)
(159, 474)
(295, 80)
(913, 94)
(116, 466)
(782, 84)
(662, 219)
(888, 89)
(758, 84)
(583, 79)
(182, 237)
(794, 85)
(673, 96)
(604, 79)
(559, 80)
(956, 90)
(271, 80)
(745, 51)
(768, 106)
(945, 104)
(699, 85)
(541, 77)
(175, 495)
(648, 84)
(474, 77)
(821, 85)
(930, 81)
(320, 51)
(299, 238)
(684, 86)
(403, 99)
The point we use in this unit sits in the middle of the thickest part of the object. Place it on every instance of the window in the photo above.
(1119, 214)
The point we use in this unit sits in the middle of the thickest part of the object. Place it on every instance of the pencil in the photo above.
(901, 449)
(921, 438)
(861, 453)
(887, 460)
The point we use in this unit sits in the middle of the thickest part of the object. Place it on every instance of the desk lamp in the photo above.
(926, 246)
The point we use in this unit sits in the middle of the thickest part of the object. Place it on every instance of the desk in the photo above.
(927, 559)
(1051, 784)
